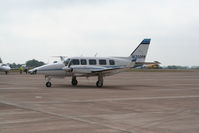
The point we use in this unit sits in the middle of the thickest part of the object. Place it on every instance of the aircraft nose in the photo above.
(38, 69)
(42, 68)
(33, 71)
(7, 68)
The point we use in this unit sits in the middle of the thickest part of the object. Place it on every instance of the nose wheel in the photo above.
(48, 84)
(74, 81)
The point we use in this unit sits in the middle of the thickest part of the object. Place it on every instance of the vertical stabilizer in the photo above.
(139, 54)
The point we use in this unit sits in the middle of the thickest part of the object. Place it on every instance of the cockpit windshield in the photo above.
(66, 62)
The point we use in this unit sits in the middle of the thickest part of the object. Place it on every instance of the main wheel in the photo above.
(6, 72)
(48, 84)
(74, 82)
(99, 84)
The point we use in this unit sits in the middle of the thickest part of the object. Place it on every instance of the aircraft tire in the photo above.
(99, 84)
(74, 82)
(48, 84)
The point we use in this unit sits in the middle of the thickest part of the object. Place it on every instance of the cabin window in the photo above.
(75, 62)
(102, 62)
(92, 62)
(83, 62)
(112, 62)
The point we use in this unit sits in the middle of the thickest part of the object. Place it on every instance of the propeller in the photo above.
(61, 57)
(67, 67)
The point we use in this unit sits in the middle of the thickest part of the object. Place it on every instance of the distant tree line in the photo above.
(34, 63)
(195, 67)
(179, 67)
(176, 67)
(30, 64)
(14, 65)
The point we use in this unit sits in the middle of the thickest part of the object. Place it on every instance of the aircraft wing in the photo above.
(115, 69)
(111, 70)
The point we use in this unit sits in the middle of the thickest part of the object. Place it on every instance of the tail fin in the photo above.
(139, 54)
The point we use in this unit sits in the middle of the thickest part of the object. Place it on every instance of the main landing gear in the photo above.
(99, 83)
(48, 83)
(74, 81)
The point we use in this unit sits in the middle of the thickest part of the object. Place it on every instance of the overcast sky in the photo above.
(40, 29)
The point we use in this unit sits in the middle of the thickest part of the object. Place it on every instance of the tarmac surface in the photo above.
(133, 102)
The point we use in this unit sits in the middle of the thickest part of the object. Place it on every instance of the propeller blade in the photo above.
(67, 69)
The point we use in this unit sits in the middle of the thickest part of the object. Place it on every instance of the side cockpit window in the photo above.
(112, 62)
(75, 62)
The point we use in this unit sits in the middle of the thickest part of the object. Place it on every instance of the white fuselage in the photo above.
(82, 66)
(4, 68)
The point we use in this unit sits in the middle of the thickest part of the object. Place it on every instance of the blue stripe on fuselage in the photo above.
(60, 69)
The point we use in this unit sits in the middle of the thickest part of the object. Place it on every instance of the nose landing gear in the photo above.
(74, 81)
(48, 83)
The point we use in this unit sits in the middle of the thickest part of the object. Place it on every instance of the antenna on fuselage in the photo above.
(96, 54)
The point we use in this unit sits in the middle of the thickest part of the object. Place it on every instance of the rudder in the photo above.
(139, 54)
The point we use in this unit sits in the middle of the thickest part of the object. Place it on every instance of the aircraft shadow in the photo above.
(110, 87)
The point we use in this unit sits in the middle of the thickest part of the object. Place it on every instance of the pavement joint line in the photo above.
(118, 99)
(65, 116)
(25, 121)
(133, 98)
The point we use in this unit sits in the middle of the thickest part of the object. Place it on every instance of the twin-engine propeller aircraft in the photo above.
(92, 66)
(4, 67)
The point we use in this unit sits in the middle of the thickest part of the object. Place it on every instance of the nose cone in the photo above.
(40, 68)
(46, 69)
(6, 68)
(32, 71)
(35, 70)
